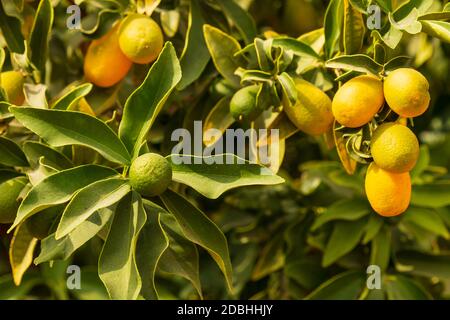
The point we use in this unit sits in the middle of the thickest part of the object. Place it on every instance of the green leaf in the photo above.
(71, 98)
(356, 62)
(87, 201)
(21, 252)
(380, 250)
(198, 228)
(52, 249)
(34, 151)
(297, 47)
(284, 126)
(344, 286)
(353, 29)
(422, 163)
(144, 104)
(222, 49)
(308, 273)
(40, 36)
(214, 175)
(397, 62)
(343, 239)
(332, 26)
(373, 227)
(195, 54)
(385, 5)
(434, 195)
(242, 20)
(9, 291)
(271, 258)
(405, 9)
(391, 38)
(91, 287)
(117, 264)
(438, 29)
(444, 15)
(427, 219)
(288, 87)
(181, 257)
(219, 118)
(151, 245)
(408, 24)
(59, 188)
(60, 128)
(424, 264)
(11, 31)
(6, 174)
(11, 154)
(109, 13)
(399, 287)
(346, 209)
(4, 108)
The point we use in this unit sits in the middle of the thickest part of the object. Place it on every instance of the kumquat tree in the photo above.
(225, 149)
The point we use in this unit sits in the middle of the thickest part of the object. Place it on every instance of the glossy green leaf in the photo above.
(91, 287)
(71, 98)
(222, 49)
(381, 248)
(307, 272)
(198, 228)
(386, 5)
(109, 13)
(438, 29)
(297, 47)
(373, 227)
(144, 104)
(288, 87)
(181, 257)
(195, 54)
(9, 291)
(397, 62)
(61, 128)
(214, 175)
(356, 62)
(427, 219)
(151, 245)
(52, 249)
(343, 239)
(117, 264)
(11, 154)
(88, 200)
(344, 286)
(347, 209)
(4, 108)
(405, 9)
(11, 31)
(241, 19)
(353, 29)
(35, 150)
(272, 258)
(219, 118)
(332, 26)
(21, 252)
(425, 264)
(6, 174)
(40, 36)
(399, 287)
(59, 188)
(422, 163)
(434, 195)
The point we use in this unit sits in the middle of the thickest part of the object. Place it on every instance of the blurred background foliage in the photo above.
(312, 237)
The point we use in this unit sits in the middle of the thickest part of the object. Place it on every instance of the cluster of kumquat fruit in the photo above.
(394, 147)
(135, 39)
